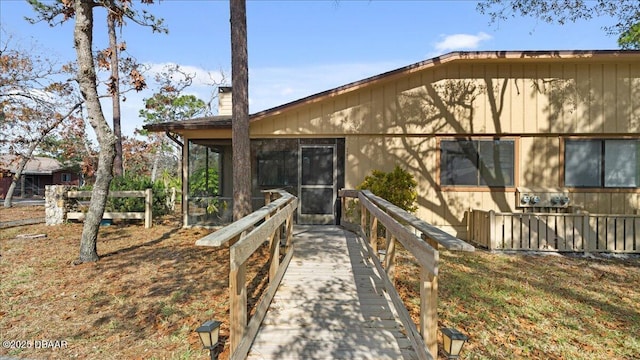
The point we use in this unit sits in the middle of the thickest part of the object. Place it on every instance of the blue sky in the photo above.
(299, 48)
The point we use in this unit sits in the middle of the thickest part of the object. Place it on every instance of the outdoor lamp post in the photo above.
(453, 340)
(209, 332)
(382, 254)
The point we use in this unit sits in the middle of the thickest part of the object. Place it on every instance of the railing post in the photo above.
(429, 301)
(429, 310)
(373, 234)
(363, 218)
(267, 201)
(148, 208)
(492, 230)
(390, 257)
(274, 252)
(288, 233)
(343, 209)
(237, 300)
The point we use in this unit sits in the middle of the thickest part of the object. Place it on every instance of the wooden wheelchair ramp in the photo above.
(331, 304)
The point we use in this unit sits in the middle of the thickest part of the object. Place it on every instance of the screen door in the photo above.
(317, 189)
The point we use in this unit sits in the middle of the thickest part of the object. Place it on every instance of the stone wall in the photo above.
(56, 204)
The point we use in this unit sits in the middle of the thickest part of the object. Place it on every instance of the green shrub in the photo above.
(398, 187)
(133, 183)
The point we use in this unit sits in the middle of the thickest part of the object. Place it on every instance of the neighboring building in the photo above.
(39, 172)
(472, 127)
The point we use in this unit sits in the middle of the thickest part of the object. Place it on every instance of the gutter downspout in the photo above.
(183, 173)
(174, 139)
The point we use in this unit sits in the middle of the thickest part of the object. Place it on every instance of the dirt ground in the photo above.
(153, 287)
(141, 300)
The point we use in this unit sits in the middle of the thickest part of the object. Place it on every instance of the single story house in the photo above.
(38, 172)
(478, 130)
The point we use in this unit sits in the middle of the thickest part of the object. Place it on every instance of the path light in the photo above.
(382, 254)
(453, 340)
(209, 332)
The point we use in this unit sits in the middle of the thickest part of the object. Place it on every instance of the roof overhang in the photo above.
(527, 56)
(208, 122)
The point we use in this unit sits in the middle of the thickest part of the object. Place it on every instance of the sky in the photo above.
(299, 48)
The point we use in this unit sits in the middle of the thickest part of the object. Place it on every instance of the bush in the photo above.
(133, 183)
(398, 187)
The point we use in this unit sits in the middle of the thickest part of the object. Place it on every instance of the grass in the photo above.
(153, 287)
(536, 306)
(142, 300)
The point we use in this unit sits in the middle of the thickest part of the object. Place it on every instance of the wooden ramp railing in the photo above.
(245, 236)
(401, 226)
(267, 224)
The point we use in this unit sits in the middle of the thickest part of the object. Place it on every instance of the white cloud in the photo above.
(274, 86)
(268, 87)
(286, 91)
(461, 41)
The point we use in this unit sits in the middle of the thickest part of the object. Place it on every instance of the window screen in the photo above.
(609, 163)
(477, 162)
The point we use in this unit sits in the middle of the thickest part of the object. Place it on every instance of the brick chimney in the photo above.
(224, 101)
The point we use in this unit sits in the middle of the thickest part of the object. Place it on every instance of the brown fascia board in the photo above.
(493, 56)
(207, 122)
(497, 56)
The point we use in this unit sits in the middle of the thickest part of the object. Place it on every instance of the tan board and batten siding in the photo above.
(535, 98)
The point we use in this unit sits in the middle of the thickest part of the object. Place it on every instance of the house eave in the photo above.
(224, 122)
(493, 56)
(207, 122)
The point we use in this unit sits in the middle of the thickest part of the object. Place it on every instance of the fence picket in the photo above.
(569, 233)
(561, 227)
(552, 231)
(498, 232)
(508, 230)
(543, 228)
(516, 230)
(556, 231)
(533, 229)
(621, 236)
(636, 227)
(603, 227)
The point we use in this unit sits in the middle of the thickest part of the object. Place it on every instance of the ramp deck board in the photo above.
(331, 304)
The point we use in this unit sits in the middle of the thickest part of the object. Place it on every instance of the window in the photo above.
(65, 177)
(275, 168)
(477, 163)
(602, 163)
(205, 163)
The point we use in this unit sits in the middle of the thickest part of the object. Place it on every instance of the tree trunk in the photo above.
(8, 200)
(240, 114)
(154, 168)
(83, 38)
(118, 165)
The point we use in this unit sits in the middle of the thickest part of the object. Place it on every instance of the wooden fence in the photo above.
(147, 214)
(401, 226)
(579, 232)
(244, 238)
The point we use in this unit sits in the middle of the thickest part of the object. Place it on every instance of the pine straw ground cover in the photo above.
(533, 306)
(153, 287)
(142, 300)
